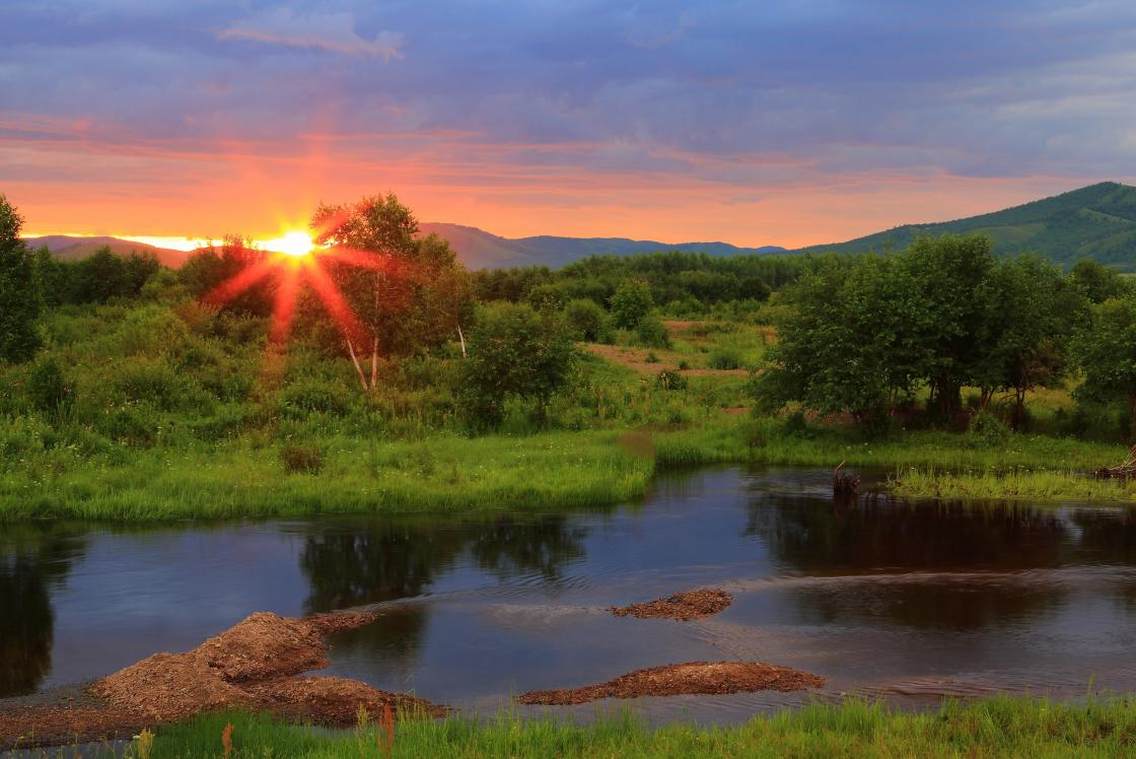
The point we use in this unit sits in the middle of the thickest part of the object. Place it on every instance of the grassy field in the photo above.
(175, 413)
(1001, 727)
(441, 473)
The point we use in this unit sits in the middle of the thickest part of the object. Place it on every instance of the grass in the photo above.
(1013, 485)
(441, 473)
(998, 727)
(552, 470)
(179, 414)
(767, 441)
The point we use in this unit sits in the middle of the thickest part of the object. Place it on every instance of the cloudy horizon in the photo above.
(785, 124)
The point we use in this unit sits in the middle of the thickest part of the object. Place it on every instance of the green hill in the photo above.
(1098, 222)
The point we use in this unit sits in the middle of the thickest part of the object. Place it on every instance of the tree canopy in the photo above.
(19, 291)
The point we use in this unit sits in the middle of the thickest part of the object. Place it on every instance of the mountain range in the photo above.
(1097, 221)
(68, 248)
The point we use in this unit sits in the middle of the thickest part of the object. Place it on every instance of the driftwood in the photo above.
(844, 484)
(1124, 471)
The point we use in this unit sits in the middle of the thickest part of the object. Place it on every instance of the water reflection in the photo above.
(938, 565)
(813, 535)
(351, 564)
(867, 591)
(32, 560)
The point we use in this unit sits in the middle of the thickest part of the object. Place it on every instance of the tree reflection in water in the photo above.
(355, 563)
(905, 556)
(32, 559)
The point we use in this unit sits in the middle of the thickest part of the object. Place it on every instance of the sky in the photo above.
(755, 123)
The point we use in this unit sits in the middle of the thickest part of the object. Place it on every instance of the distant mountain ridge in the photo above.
(67, 248)
(1097, 221)
(479, 249)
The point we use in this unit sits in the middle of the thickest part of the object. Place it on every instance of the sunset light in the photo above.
(294, 243)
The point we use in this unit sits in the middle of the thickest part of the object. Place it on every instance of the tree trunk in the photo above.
(1019, 408)
(358, 368)
(461, 337)
(375, 363)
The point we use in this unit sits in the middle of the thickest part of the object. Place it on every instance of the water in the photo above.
(906, 601)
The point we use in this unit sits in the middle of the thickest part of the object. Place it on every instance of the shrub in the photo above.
(670, 380)
(987, 430)
(154, 382)
(683, 365)
(48, 389)
(725, 358)
(587, 319)
(631, 303)
(310, 395)
(514, 353)
(796, 425)
(547, 297)
(652, 333)
(301, 459)
(651, 358)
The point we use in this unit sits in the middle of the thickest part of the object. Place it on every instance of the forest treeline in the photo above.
(935, 334)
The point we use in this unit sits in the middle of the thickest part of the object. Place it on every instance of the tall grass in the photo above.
(441, 473)
(1000, 727)
(1014, 485)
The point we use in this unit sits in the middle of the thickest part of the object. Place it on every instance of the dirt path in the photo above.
(693, 604)
(255, 664)
(697, 678)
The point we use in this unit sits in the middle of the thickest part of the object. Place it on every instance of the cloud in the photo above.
(331, 32)
(576, 103)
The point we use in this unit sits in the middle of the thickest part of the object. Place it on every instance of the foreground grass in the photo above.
(998, 727)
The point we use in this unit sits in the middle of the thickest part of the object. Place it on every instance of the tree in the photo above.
(951, 275)
(1106, 350)
(406, 294)
(587, 320)
(207, 271)
(630, 303)
(846, 342)
(19, 293)
(515, 352)
(1033, 312)
(99, 277)
(1096, 281)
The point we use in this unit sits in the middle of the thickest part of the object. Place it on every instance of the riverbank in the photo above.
(544, 471)
(991, 728)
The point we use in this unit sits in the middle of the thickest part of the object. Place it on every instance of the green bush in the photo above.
(725, 358)
(651, 333)
(631, 303)
(301, 459)
(588, 320)
(48, 390)
(986, 430)
(515, 352)
(132, 425)
(311, 395)
(670, 380)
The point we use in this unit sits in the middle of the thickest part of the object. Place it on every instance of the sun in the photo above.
(294, 243)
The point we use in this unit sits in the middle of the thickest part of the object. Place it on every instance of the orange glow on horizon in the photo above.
(293, 243)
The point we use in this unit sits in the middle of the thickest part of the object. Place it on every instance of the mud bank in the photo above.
(692, 678)
(255, 665)
(693, 604)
